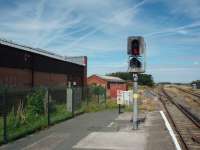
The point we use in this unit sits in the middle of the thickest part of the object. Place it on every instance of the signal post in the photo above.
(136, 53)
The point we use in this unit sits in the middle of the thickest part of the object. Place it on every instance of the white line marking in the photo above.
(171, 132)
(110, 125)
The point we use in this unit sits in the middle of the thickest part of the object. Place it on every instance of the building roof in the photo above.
(38, 51)
(111, 78)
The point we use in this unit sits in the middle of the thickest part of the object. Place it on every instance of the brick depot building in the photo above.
(23, 66)
(112, 84)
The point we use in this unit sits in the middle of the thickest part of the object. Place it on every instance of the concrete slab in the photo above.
(113, 141)
(158, 135)
(151, 135)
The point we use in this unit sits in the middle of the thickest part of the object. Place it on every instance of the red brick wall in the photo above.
(97, 81)
(117, 86)
(112, 91)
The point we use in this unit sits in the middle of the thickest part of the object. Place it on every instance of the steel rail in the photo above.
(174, 124)
(182, 109)
(191, 93)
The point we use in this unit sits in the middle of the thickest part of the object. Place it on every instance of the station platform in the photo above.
(151, 134)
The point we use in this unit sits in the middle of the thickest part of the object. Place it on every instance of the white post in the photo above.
(135, 109)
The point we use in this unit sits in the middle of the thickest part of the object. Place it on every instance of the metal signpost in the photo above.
(136, 52)
(135, 107)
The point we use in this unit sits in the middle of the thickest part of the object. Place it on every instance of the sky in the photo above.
(99, 29)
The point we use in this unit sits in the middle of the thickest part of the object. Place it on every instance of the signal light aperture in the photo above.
(135, 63)
(135, 46)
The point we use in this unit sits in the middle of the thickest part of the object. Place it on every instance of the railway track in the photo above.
(186, 125)
(191, 93)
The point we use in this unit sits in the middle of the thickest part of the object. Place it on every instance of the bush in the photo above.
(35, 102)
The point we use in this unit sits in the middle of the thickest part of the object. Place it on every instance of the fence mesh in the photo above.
(23, 111)
(1, 116)
(96, 94)
(58, 105)
(78, 100)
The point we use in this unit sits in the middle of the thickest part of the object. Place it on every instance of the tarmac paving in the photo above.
(100, 131)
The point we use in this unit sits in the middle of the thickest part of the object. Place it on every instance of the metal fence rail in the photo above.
(23, 111)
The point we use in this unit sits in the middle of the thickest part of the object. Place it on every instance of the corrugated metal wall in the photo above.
(21, 68)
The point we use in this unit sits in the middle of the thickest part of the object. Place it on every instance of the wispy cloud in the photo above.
(120, 18)
(188, 8)
(180, 29)
(99, 29)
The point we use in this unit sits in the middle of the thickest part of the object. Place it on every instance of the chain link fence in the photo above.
(26, 110)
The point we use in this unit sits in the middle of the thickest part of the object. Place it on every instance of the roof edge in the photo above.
(37, 51)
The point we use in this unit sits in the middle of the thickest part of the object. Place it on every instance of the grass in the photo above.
(59, 114)
(93, 106)
(18, 128)
(81, 109)
(111, 104)
(1, 130)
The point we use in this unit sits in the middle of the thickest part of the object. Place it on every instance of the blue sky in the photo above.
(99, 30)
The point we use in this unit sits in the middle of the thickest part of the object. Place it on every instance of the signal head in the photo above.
(135, 46)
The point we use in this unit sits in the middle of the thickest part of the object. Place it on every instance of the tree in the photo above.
(97, 91)
(197, 82)
(143, 79)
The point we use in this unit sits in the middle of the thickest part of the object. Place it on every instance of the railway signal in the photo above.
(136, 46)
(135, 63)
(136, 53)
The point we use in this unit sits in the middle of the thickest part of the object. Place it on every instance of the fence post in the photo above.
(119, 109)
(73, 102)
(105, 96)
(48, 107)
(98, 97)
(5, 139)
(87, 91)
(66, 98)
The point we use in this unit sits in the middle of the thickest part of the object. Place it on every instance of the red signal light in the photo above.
(135, 46)
(135, 51)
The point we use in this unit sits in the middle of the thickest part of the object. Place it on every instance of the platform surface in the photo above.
(100, 131)
(151, 135)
